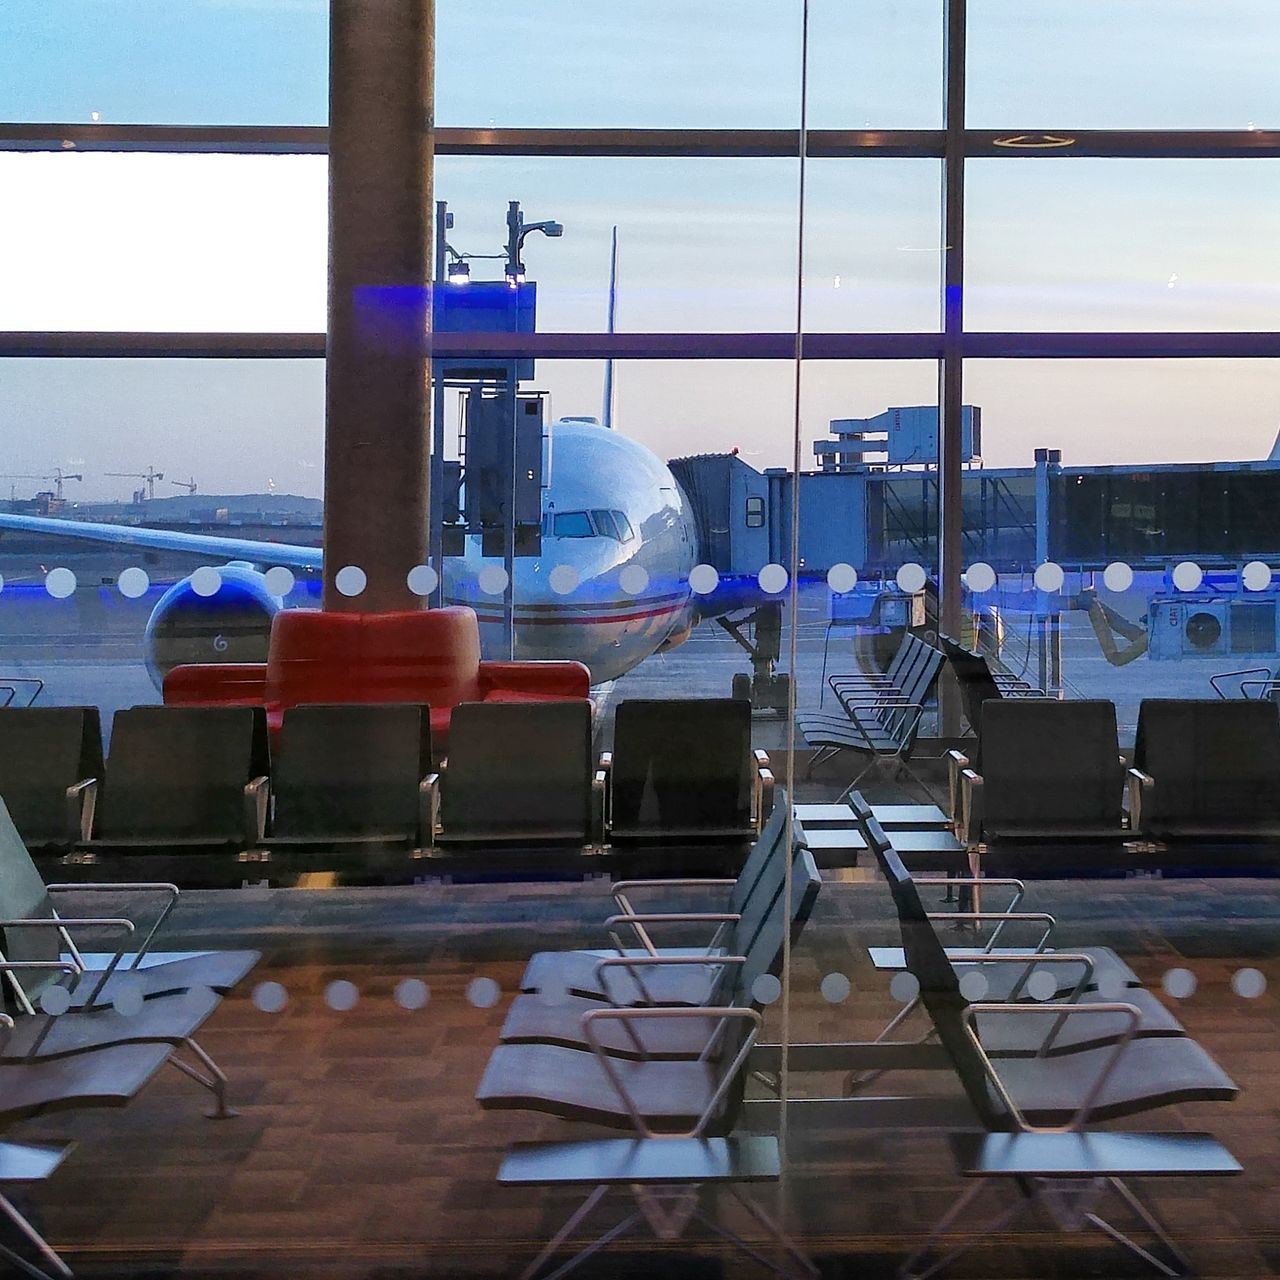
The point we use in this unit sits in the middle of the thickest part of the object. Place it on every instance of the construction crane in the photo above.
(188, 485)
(58, 477)
(150, 475)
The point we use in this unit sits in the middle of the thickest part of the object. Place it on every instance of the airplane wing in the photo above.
(216, 549)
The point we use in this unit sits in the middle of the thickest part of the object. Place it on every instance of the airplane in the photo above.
(614, 516)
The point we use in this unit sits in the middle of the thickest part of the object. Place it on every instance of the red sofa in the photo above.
(430, 656)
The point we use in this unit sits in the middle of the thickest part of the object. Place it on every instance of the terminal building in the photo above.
(711, 706)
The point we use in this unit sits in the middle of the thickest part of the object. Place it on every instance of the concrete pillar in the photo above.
(377, 374)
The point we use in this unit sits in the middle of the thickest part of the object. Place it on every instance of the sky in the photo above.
(235, 242)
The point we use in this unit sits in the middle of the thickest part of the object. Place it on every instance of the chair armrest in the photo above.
(1231, 675)
(256, 796)
(970, 818)
(548, 679)
(1061, 1012)
(640, 922)
(763, 797)
(957, 763)
(1032, 961)
(623, 888)
(429, 808)
(171, 891)
(1142, 788)
(223, 684)
(1002, 918)
(81, 803)
(728, 1076)
(64, 927)
(599, 818)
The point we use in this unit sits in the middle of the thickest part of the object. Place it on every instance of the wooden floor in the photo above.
(359, 1152)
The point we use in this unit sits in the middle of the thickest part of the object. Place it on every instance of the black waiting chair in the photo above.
(1034, 1117)
(1048, 800)
(625, 977)
(518, 780)
(182, 780)
(35, 932)
(350, 775)
(879, 723)
(534, 1019)
(1205, 783)
(50, 764)
(682, 769)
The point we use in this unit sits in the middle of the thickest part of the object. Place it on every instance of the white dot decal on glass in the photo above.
(1042, 985)
(350, 580)
(904, 987)
(412, 993)
(279, 580)
(1249, 984)
(1256, 576)
(974, 985)
(1117, 576)
(980, 577)
(766, 989)
(133, 583)
(60, 583)
(1111, 986)
(772, 579)
(1187, 576)
(563, 579)
(1179, 984)
(493, 580)
(633, 579)
(703, 579)
(341, 995)
(835, 988)
(842, 577)
(483, 993)
(270, 997)
(55, 1001)
(206, 581)
(1049, 577)
(126, 999)
(911, 578)
(422, 580)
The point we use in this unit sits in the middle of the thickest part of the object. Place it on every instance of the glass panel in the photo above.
(872, 234)
(1111, 244)
(875, 64)
(729, 64)
(1143, 64)
(94, 243)
(1142, 483)
(155, 62)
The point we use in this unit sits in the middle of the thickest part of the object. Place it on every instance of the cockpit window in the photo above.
(573, 524)
(625, 531)
(605, 525)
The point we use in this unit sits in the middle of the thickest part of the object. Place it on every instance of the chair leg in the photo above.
(774, 1228)
(46, 1251)
(1182, 1264)
(211, 1077)
(572, 1223)
(907, 1271)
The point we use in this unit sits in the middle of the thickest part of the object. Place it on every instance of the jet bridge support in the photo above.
(766, 687)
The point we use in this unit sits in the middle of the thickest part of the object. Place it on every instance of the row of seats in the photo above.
(666, 1044)
(430, 657)
(186, 779)
(92, 1029)
(1203, 788)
